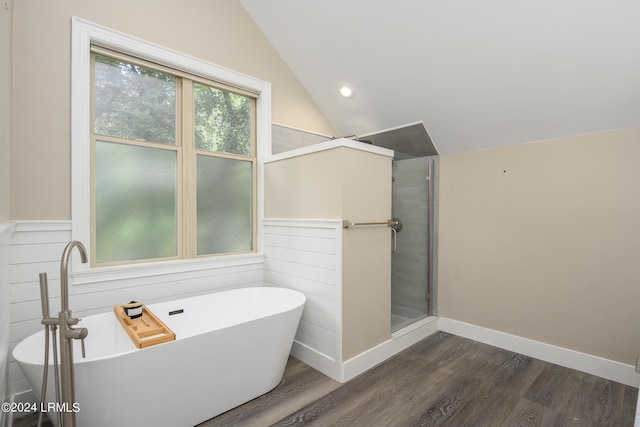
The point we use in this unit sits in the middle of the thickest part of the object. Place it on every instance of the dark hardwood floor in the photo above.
(443, 380)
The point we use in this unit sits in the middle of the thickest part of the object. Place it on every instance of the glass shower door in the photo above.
(414, 197)
(411, 262)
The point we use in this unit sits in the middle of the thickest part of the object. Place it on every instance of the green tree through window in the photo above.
(222, 120)
(134, 102)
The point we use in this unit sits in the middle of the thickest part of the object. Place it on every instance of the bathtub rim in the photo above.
(39, 335)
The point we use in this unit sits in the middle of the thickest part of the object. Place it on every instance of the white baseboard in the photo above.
(318, 361)
(595, 365)
(343, 372)
(378, 354)
(604, 368)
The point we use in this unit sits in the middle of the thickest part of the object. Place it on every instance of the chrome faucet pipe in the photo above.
(50, 325)
(64, 266)
(67, 335)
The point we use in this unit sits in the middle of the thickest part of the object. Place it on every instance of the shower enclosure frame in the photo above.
(432, 237)
(414, 290)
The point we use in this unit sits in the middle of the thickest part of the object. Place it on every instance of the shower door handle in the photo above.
(395, 240)
(396, 225)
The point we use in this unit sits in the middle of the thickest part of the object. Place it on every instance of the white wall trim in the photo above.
(317, 360)
(47, 225)
(7, 227)
(378, 354)
(588, 363)
(304, 223)
(346, 371)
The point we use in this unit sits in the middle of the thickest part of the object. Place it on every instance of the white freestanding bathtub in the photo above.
(230, 347)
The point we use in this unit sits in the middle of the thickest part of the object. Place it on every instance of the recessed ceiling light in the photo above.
(345, 90)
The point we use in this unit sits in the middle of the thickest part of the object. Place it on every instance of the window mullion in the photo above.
(189, 228)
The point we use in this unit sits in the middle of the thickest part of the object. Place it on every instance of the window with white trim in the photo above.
(190, 174)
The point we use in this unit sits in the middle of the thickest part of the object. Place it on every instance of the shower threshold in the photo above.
(408, 324)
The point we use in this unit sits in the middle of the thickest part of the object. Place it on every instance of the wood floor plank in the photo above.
(463, 385)
(580, 397)
(300, 385)
(627, 415)
(500, 394)
(525, 413)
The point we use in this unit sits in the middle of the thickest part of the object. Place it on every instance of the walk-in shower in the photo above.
(414, 197)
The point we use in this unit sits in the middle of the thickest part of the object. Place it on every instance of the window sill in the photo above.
(168, 270)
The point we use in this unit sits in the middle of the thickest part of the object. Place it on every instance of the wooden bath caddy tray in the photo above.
(146, 330)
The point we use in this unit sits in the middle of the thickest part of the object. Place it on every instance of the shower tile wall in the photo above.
(285, 139)
(410, 263)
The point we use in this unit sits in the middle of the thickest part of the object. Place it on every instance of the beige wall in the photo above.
(5, 112)
(366, 253)
(366, 290)
(339, 183)
(218, 31)
(343, 183)
(303, 187)
(543, 241)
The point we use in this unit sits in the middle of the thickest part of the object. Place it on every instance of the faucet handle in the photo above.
(81, 334)
(84, 354)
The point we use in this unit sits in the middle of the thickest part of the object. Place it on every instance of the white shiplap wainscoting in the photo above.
(6, 230)
(37, 247)
(306, 255)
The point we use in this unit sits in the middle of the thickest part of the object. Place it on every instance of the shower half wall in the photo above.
(345, 272)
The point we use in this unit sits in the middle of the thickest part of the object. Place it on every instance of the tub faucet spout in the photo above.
(68, 334)
(64, 267)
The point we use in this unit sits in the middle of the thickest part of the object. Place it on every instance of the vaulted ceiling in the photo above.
(477, 74)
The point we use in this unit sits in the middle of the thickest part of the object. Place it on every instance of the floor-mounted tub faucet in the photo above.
(67, 335)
